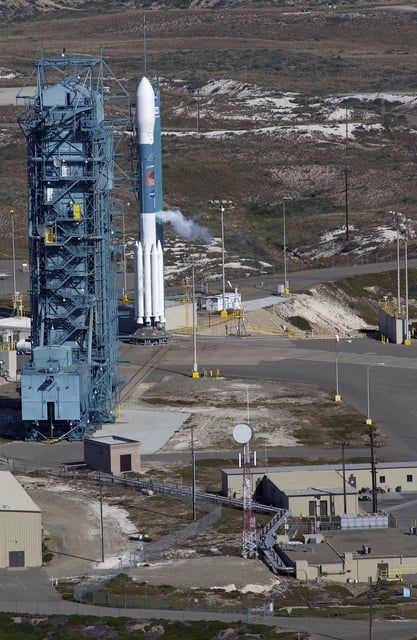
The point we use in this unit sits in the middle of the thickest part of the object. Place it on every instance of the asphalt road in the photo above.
(392, 385)
(297, 280)
(318, 628)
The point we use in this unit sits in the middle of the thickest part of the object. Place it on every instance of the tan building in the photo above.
(112, 454)
(355, 556)
(20, 525)
(315, 490)
(364, 546)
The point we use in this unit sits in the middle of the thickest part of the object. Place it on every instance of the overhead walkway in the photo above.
(273, 556)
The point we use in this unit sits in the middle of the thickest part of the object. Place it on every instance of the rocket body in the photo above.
(149, 265)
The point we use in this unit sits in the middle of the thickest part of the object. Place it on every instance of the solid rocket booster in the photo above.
(149, 263)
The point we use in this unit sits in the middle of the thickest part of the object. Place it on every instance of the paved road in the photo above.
(392, 386)
(31, 592)
(297, 280)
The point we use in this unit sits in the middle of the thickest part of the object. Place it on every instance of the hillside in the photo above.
(319, 108)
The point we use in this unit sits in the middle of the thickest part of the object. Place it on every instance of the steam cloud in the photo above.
(185, 228)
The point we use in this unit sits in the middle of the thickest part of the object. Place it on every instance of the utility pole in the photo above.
(198, 111)
(284, 224)
(343, 444)
(193, 471)
(371, 599)
(346, 204)
(101, 521)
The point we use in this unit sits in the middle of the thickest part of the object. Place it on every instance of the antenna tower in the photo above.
(242, 434)
(248, 526)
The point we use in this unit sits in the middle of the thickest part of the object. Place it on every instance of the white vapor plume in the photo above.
(185, 228)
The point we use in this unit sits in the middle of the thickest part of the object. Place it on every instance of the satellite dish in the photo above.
(242, 433)
(57, 162)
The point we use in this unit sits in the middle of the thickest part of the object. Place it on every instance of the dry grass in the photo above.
(314, 54)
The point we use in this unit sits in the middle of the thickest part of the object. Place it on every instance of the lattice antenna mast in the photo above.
(242, 434)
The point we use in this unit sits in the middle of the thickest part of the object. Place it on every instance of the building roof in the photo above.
(17, 323)
(238, 471)
(382, 542)
(109, 440)
(323, 491)
(13, 497)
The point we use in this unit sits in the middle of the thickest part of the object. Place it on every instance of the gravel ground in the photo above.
(228, 572)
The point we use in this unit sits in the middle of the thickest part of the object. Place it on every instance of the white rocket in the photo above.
(149, 257)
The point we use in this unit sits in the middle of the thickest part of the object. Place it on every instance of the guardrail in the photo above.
(159, 488)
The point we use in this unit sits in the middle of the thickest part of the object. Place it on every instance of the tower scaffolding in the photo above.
(71, 385)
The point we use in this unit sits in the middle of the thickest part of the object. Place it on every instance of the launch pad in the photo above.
(149, 336)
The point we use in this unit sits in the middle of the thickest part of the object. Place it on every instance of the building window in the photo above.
(382, 479)
(409, 478)
(126, 462)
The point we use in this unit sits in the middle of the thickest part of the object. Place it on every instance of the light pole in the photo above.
(13, 253)
(286, 288)
(398, 267)
(396, 216)
(224, 310)
(407, 331)
(195, 373)
(337, 397)
(369, 366)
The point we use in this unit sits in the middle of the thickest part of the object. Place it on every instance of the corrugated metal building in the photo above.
(20, 525)
(318, 489)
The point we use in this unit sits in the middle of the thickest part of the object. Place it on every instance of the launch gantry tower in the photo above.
(71, 385)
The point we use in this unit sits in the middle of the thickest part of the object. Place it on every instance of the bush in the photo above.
(300, 323)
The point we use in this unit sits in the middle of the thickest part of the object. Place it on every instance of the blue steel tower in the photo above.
(71, 385)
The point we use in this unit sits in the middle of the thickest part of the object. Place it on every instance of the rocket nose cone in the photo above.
(144, 89)
(145, 111)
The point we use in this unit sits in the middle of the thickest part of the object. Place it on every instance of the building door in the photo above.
(16, 558)
(312, 508)
(125, 463)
